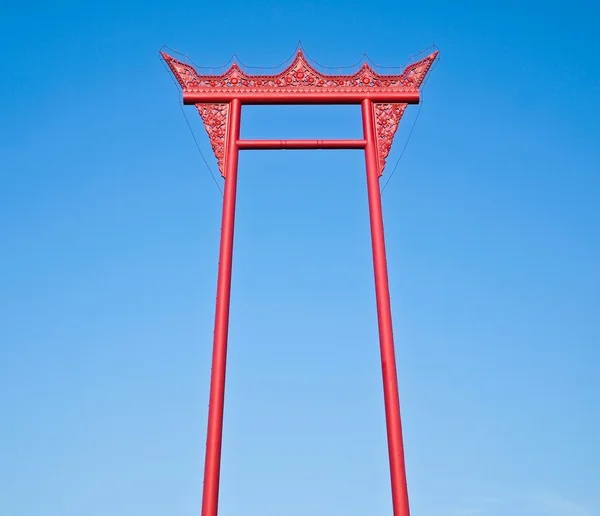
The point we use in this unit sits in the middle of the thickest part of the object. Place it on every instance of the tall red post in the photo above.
(384, 316)
(212, 465)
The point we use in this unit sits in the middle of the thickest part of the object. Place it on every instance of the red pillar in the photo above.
(384, 316)
(212, 465)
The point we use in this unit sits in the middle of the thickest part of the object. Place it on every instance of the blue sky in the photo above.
(109, 223)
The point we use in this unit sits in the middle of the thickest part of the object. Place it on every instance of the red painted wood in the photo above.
(300, 144)
(384, 317)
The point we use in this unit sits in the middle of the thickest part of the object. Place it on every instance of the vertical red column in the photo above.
(212, 465)
(384, 316)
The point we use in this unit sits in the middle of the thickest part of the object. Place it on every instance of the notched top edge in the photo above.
(300, 75)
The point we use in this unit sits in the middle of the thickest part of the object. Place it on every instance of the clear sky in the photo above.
(109, 226)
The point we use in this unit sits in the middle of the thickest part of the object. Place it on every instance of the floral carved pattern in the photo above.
(299, 77)
(387, 120)
(214, 117)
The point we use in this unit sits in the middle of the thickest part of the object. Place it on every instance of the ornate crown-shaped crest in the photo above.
(300, 76)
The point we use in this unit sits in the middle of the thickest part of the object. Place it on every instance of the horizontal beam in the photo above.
(300, 144)
(248, 97)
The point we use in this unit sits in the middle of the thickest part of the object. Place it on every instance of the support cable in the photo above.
(412, 128)
(192, 131)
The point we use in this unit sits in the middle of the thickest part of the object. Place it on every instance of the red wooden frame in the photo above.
(383, 99)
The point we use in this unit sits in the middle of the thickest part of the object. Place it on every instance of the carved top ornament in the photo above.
(300, 76)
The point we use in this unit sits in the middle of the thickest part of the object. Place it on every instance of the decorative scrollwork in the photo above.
(300, 77)
(387, 120)
(214, 117)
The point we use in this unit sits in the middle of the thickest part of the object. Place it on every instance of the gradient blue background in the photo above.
(109, 226)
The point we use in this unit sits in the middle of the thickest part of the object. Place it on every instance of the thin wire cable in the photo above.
(191, 130)
(365, 57)
(411, 129)
(403, 148)
(198, 147)
(234, 59)
(249, 69)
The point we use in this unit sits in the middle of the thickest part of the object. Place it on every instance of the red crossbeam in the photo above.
(300, 144)
(267, 98)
